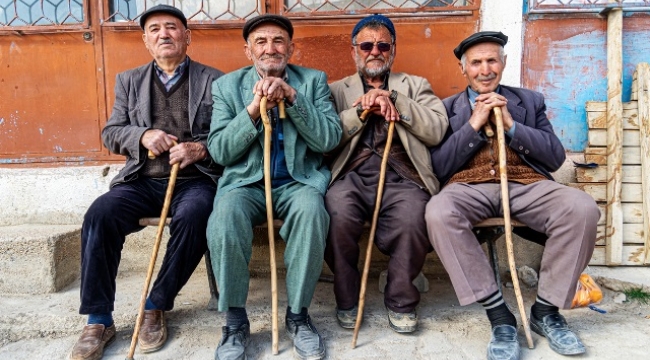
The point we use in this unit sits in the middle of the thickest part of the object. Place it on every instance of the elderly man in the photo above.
(467, 164)
(157, 105)
(298, 176)
(401, 232)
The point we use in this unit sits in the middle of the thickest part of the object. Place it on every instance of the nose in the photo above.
(485, 68)
(375, 50)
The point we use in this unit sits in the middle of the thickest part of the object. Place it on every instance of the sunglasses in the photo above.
(367, 46)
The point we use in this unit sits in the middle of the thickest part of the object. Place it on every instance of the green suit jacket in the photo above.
(312, 128)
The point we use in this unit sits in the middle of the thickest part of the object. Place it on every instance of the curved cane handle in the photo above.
(152, 156)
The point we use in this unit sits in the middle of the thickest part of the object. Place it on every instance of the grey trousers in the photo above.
(230, 240)
(567, 216)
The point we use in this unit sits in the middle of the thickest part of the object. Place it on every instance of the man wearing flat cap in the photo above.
(163, 107)
(564, 219)
(298, 176)
(420, 121)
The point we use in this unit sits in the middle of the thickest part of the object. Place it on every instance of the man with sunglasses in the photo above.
(421, 121)
(562, 218)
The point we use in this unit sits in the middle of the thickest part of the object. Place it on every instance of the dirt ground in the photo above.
(47, 326)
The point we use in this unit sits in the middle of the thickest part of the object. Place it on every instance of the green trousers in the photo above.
(230, 237)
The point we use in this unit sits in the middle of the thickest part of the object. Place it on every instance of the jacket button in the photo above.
(521, 147)
(471, 144)
(526, 152)
(492, 172)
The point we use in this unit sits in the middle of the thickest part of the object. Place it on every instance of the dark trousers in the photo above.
(401, 234)
(115, 214)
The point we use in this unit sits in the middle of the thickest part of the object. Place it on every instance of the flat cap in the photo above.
(374, 19)
(480, 37)
(167, 9)
(279, 20)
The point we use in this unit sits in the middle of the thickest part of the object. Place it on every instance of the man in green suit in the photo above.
(299, 180)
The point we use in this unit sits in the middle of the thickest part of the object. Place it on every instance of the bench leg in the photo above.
(214, 292)
(494, 259)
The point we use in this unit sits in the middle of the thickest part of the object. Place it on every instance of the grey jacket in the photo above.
(131, 116)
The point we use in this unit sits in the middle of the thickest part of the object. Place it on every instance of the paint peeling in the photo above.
(40, 130)
(58, 149)
(427, 33)
(14, 47)
(2, 121)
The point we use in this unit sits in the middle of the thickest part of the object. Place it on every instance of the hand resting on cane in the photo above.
(187, 153)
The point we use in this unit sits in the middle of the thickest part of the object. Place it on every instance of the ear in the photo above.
(247, 51)
(188, 36)
(460, 67)
(144, 39)
(353, 53)
(505, 60)
(291, 48)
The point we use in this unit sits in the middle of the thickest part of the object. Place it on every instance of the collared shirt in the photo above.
(472, 95)
(170, 80)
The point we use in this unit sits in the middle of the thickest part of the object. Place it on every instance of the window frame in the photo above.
(39, 29)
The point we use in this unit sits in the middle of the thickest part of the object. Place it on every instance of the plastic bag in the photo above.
(587, 292)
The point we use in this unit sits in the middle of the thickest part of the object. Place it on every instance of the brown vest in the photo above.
(484, 167)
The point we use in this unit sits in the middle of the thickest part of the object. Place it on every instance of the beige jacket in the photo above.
(423, 121)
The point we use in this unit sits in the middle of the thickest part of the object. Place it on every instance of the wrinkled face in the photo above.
(374, 62)
(166, 37)
(483, 67)
(270, 49)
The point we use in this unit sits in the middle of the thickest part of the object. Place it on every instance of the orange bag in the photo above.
(587, 292)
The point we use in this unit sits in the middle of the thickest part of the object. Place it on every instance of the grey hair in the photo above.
(374, 25)
(502, 57)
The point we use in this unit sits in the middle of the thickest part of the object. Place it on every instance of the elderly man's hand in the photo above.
(483, 107)
(275, 89)
(187, 153)
(379, 99)
(157, 141)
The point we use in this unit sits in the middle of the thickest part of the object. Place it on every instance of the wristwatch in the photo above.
(393, 96)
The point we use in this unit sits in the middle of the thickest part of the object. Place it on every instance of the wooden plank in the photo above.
(599, 138)
(598, 155)
(631, 174)
(632, 234)
(598, 119)
(632, 213)
(643, 95)
(631, 255)
(631, 192)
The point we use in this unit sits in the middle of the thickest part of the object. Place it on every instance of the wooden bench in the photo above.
(488, 230)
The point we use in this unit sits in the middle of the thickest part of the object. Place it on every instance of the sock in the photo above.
(236, 317)
(149, 305)
(542, 308)
(105, 319)
(497, 311)
(301, 316)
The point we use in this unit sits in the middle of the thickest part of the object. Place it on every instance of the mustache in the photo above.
(274, 56)
(486, 78)
(166, 41)
(372, 57)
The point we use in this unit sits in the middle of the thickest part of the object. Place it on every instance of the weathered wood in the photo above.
(600, 138)
(643, 95)
(598, 191)
(630, 255)
(631, 174)
(598, 119)
(632, 234)
(632, 213)
(598, 155)
(614, 240)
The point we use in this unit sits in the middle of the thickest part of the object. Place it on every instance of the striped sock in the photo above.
(497, 311)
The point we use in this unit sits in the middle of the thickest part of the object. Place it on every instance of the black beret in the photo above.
(281, 21)
(480, 37)
(162, 9)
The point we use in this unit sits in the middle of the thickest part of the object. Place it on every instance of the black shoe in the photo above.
(560, 338)
(233, 343)
(503, 344)
(307, 343)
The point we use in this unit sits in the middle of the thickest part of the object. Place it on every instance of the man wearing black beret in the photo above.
(298, 178)
(163, 107)
(420, 121)
(467, 164)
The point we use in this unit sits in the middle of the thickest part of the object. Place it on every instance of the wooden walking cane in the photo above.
(269, 217)
(154, 253)
(373, 227)
(505, 200)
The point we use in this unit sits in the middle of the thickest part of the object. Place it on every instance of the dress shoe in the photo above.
(403, 322)
(307, 343)
(153, 332)
(503, 344)
(92, 341)
(347, 318)
(233, 343)
(560, 338)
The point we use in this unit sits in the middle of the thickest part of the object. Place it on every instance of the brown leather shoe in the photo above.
(92, 341)
(153, 332)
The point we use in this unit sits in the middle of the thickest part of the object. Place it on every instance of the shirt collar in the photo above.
(180, 69)
(472, 95)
